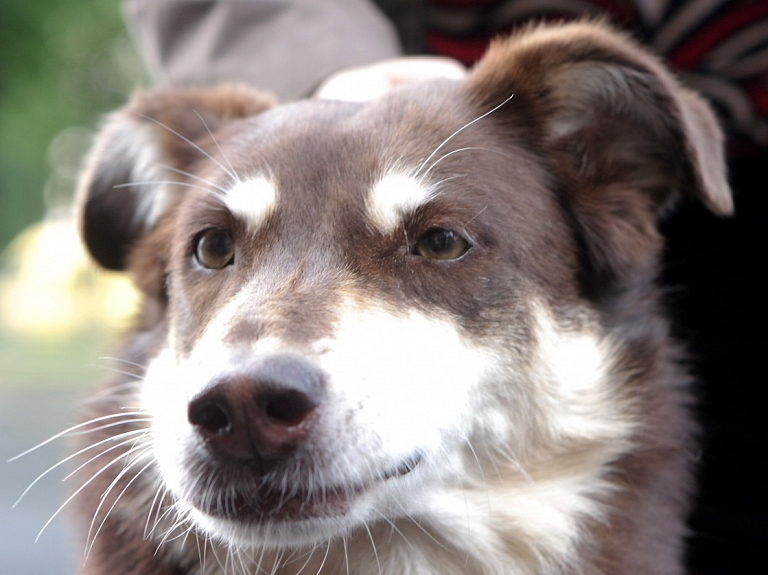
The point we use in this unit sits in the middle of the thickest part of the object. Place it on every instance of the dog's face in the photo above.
(413, 308)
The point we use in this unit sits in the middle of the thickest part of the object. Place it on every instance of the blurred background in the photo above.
(62, 66)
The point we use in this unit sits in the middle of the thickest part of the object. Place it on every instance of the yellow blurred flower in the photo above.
(49, 288)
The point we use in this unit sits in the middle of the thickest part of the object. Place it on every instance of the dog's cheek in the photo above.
(410, 380)
(572, 390)
(164, 398)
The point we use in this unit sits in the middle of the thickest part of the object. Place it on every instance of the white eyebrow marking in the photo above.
(394, 195)
(253, 200)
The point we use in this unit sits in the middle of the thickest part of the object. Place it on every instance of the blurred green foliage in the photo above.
(63, 63)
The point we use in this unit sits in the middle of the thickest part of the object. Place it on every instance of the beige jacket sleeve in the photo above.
(284, 46)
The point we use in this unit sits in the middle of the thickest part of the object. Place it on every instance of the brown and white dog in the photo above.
(418, 335)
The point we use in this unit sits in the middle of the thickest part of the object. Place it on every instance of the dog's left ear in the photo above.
(625, 139)
(141, 151)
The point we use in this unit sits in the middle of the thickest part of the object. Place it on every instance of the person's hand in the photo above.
(369, 82)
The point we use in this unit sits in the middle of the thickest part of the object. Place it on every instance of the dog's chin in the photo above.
(300, 521)
(267, 505)
(268, 517)
(282, 532)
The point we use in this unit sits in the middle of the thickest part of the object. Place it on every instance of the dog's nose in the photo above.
(263, 414)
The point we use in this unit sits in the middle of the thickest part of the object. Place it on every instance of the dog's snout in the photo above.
(262, 414)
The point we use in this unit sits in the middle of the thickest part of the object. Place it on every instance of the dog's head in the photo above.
(413, 307)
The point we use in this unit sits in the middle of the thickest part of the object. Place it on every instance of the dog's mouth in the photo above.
(255, 500)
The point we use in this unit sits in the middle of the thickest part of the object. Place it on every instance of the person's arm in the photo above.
(287, 47)
(363, 83)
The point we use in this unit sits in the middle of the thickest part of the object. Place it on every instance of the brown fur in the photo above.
(561, 205)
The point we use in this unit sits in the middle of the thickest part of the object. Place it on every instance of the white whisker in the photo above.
(232, 170)
(157, 499)
(167, 537)
(164, 183)
(187, 174)
(89, 548)
(140, 432)
(114, 391)
(186, 535)
(415, 522)
(464, 227)
(191, 143)
(216, 556)
(509, 455)
(444, 156)
(309, 557)
(135, 377)
(71, 429)
(344, 544)
(79, 490)
(373, 544)
(159, 518)
(122, 360)
(395, 529)
(116, 424)
(201, 553)
(325, 557)
(277, 561)
(63, 461)
(464, 127)
(241, 560)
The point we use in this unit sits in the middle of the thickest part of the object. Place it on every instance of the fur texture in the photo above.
(418, 335)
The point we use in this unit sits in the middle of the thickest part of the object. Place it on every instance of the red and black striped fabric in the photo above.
(718, 47)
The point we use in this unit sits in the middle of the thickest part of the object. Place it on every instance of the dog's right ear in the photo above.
(140, 151)
(624, 139)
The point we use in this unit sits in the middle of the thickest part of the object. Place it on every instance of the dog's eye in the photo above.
(214, 249)
(440, 244)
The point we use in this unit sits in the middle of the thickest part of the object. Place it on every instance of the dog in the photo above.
(417, 335)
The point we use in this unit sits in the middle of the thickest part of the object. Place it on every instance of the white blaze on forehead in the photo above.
(252, 200)
(394, 195)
